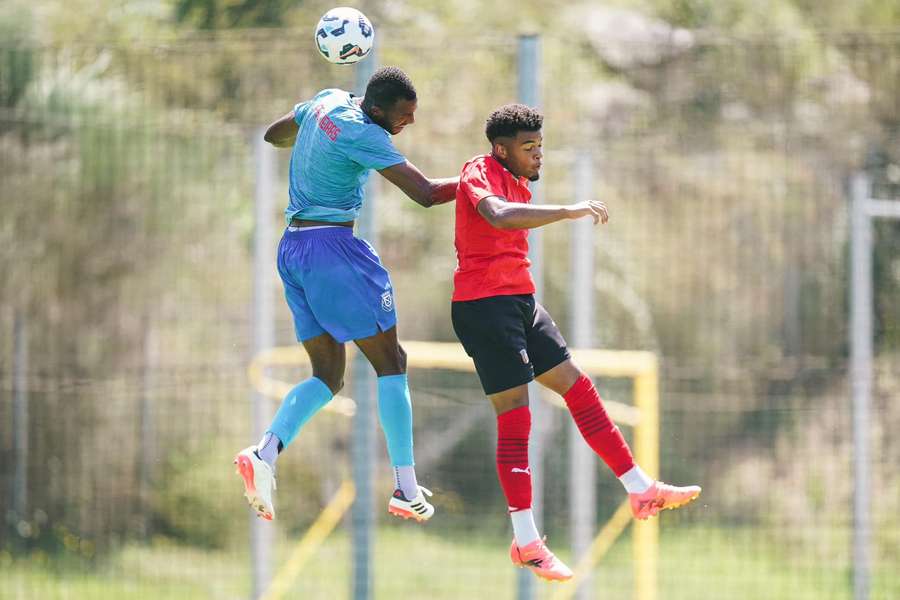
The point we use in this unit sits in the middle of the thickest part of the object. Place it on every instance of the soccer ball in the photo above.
(344, 35)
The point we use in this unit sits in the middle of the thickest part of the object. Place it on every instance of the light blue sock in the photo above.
(395, 414)
(299, 405)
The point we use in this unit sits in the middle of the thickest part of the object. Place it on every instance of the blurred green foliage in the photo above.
(224, 14)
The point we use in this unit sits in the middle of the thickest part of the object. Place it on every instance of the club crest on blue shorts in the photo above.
(387, 301)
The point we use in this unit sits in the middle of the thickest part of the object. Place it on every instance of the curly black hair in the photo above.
(510, 119)
(386, 86)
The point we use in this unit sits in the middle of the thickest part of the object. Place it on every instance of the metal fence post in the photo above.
(20, 417)
(861, 377)
(363, 388)
(582, 471)
(863, 208)
(529, 93)
(263, 323)
(146, 429)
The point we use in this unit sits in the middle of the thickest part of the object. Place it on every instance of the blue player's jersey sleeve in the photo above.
(337, 145)
(300, 111)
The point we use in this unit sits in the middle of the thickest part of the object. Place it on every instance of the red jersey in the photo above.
(490, 261)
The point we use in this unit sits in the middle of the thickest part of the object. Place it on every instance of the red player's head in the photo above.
(514, 131)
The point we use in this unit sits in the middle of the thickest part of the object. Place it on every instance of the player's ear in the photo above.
(500, 150)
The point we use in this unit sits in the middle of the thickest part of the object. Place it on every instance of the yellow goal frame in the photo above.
(641, 367)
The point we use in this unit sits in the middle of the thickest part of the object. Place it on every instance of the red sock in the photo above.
(513, 428)
(596, 427)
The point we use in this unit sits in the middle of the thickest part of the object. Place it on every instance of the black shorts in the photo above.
(512, 339)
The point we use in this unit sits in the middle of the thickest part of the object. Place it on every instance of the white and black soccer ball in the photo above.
(344, 36)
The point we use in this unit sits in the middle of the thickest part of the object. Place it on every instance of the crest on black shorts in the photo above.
(524, 354)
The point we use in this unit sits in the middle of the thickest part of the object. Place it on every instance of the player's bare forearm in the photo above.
(503, 214)
(443, 190)
(528, 216)
(423, 191)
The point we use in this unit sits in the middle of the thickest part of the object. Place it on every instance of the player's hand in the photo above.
(592, 208)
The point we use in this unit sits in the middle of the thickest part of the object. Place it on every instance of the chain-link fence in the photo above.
(126, 235)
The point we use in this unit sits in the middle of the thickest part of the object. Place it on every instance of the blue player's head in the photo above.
(514, 131)
(390, 99)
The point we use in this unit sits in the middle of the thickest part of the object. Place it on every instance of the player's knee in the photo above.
(401, 358)
(391, 363)
(335, 385)
(334, 380)
(397, 364)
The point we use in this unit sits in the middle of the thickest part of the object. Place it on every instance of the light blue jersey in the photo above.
(336, 146)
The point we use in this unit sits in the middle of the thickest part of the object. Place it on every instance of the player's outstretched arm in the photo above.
(503, 214)
(422, 190)
(282, 132)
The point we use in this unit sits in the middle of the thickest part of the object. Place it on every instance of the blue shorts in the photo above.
(334, 283)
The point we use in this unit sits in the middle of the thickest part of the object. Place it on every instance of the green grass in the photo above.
(412, 562)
